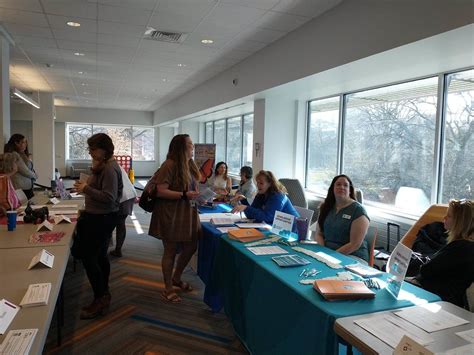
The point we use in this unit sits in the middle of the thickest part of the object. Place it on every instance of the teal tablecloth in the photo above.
(274, 314)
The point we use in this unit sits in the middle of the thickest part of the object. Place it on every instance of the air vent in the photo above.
(163, 36)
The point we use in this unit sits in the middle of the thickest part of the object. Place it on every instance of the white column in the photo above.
(4, 91)
(258, 135)
(43, 139)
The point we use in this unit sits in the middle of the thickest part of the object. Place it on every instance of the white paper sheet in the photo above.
(391, 329)
(8, 311)
(467, 335)
(206, 217)
(429, 320)
(267, 250)
(226, 229)
(18, 341)
(253, 225)
(36, 295)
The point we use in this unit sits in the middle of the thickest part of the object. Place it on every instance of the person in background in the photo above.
(175, 218)
(343, 222)
(271, 197)
(221, 183)
(126, 208)
(103, 191)
(451, 270)
(247, 189)
(25, 175)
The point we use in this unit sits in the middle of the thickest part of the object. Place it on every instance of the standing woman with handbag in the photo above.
(102, 191)
(174, 219)
(25, 175)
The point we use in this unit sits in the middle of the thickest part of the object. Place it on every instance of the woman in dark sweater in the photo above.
(102, 191)
(451, 270)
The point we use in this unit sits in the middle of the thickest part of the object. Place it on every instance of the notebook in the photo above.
(245, 235)
(333, 290)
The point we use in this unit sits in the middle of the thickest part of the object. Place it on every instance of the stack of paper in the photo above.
(18, 341)
(363, 270)
(36, 295)
(8, 311)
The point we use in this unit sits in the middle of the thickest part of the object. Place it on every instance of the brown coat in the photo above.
(173, 220)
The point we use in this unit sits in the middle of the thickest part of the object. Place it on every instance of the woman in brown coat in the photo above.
(175, 219)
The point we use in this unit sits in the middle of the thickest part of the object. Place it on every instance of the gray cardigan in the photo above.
(25, 175)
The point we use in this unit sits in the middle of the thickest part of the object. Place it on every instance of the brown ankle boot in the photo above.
(97, 308)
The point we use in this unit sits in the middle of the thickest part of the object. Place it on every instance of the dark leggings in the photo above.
(120, 232)
(29, 193)
(96, 231)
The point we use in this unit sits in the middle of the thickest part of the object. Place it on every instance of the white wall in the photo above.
(346, 33)
(165, 134)
(60, 141)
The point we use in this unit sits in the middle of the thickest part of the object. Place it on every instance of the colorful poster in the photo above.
(205, 156)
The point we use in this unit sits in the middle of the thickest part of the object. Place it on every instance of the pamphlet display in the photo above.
(283, 226)
(397, 268)
(205, 157)
(36, 295)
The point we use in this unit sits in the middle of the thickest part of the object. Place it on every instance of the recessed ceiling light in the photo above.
(164, 79)
(80, 72)
(73, 24)
(207, 41)
(86, 93)
(181, 65)
(79, 54)
(83, 84)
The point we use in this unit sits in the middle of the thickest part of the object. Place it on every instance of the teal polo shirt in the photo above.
(337, 228)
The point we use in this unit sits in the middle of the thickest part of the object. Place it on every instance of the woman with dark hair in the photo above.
(271, 197)
(102, 191)
(343, 222)
(451, 270)
(25, 176)
(175, 218)
(220, 182)
(247, 189)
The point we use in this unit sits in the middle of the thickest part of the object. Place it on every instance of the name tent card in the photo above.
(397, 268)
(44, 257)
(283, 225)
(53, 201)
(61, 219)
(8, 311)
(408, 346)
(36, 295)
(45, 226)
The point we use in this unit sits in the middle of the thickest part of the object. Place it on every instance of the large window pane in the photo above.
(121, 137)
(209, 132)
(219, 140)
(77, 141)
(234, 144)
(143, 143)
(322, 143)
(389, 140)
(247, 140)
(458, 177)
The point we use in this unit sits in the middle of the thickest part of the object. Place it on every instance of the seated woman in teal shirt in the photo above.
(271, 197)
(343, 222)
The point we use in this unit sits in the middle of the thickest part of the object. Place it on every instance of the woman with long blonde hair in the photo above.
(175, 218)
(451, 270)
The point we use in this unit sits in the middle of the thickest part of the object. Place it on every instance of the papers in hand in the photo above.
(205, 195)
(44, 257)
(36, 295)
(45, 226)
(18, 341)
(8, 311)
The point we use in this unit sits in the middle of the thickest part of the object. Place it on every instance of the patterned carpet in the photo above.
(139, 321)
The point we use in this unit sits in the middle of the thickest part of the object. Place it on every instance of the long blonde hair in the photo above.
(463, 220)
(185, 168)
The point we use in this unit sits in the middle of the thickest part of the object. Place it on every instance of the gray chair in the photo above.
(295, 192)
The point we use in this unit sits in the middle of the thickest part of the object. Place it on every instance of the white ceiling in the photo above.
(122, 70)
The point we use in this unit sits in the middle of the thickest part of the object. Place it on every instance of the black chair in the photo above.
(295, 192)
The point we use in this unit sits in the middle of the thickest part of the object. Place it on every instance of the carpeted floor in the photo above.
(139, 321)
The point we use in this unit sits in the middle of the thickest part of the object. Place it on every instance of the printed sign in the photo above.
(283, 225)
(397, 268)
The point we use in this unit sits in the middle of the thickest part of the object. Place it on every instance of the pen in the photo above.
(302, 272)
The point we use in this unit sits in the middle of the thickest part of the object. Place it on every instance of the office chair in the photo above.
(295, 192)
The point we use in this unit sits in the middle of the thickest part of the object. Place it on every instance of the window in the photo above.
(247, 142)
(209, 132)
(458, 166)
(234, 140)
(322, 143)
(219, 140)
(234, 144)
(139, 142)
(389, 138)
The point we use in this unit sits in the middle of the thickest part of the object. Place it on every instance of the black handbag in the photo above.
(78, 248)
(148, 198)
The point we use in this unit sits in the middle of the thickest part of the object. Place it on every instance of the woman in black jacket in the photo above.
(451, 270)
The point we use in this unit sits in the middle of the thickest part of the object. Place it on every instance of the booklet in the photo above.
(18, 341)
(363, 270)
(245, 235)
(46, 237)
(36, 295)
(333, 290)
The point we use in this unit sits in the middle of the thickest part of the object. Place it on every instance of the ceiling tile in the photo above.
(76, 8)
(232, 16)
(23, 17)
(29, 5)
(121, 29)
(74, 35)
(28, 42)
(120, 41)
(138, 4)
(258, 4)
(25, 30)
(60, 22)
(281, 22)
(307, 8)
(123, 15)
